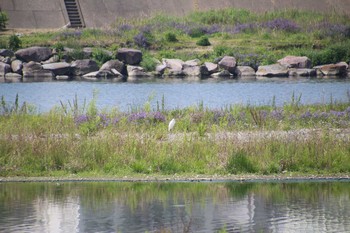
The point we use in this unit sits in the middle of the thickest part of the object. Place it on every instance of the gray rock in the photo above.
(53, 59)
(87, 52)
(114, 64)
(116, 73)
(332, 69)
(129, 56)
(196, 71)
(17, 66)
(13, 76)
(211, 67)
(4, 69)
(245, 71)
(6, 60)
(85, 66)
(6, 53)
(174, 73)
(36, 54)
(295, 62)
(191, 63)
(161, 68)
(228, 63)
(99, 74)
(302, 72)
(34, 69)
(222, 74)
(275, 70)
(136, 71)
(173, 64)
(58, 68)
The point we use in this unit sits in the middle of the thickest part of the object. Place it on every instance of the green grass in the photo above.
(85, 140)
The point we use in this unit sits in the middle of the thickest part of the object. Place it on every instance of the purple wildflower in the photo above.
(306, 115)
(125, 27)
(338, 114)
(247, 27)
(141, 40)
(81, 119)
(158, 117)
(137, 116)
(277, 114)
(218, 115)
(281, 24)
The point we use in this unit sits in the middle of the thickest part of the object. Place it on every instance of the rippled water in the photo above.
(175, 207)
(178, 93)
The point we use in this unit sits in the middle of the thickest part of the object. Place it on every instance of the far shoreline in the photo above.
(251, 178)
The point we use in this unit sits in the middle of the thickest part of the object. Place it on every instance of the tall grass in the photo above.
(86, 140)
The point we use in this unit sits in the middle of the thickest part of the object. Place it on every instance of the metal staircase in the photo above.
(73, 11)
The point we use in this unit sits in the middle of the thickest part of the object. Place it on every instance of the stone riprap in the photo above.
(49, 64)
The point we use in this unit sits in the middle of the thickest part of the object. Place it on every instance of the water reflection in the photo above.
(175, 207)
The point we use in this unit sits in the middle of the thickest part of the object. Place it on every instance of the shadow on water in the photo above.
(175, 207)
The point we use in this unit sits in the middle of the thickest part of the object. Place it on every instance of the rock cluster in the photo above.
(46, 63)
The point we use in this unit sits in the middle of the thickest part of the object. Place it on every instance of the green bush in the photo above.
(221, 50)
(101, 56)
(170, 37)
(203, 41)
(149, 63)
(3, 20)
(14, 42)
(58, 47)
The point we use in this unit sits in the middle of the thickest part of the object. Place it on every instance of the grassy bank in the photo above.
(86, 141)
(254, 39)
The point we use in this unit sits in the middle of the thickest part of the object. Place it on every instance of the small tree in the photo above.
(3, 20)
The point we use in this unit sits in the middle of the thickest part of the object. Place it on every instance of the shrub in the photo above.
(170, 37)
(58, 47)
(14, 42)
(148, 62)
(203, 41)
(221, 50)
(101, 56)
(3, 20)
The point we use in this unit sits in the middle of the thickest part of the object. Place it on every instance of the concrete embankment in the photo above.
(96, 13)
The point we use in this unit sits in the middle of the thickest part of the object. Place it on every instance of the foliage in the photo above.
(170, 37)
(14, 42)
(148, 62)
(203, 41)
(101, 56)
(3, 20)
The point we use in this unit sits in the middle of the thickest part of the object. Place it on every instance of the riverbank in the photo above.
(224, 43)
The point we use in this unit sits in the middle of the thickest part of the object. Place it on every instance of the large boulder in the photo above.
(85, 66)
(195, 71)
(17, 66)
(275, 70)
(36, 54)
(245, 71)
(6, 60)
(211, 67)
(332, 69)
(4, 69)
(302, 72)
(295, 62)
(6, 53)
(34, 69)
(136, 71)
(114, 64)
(228, 63)
(191, 63)
(58, 68)
(173, 64)
(129, 56)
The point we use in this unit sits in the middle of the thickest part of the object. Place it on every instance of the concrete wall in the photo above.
(101, 13)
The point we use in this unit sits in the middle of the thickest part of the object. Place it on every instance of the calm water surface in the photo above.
(178, 93)
(175, 207)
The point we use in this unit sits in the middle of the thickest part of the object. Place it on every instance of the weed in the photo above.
(203, 41)
(14, 42)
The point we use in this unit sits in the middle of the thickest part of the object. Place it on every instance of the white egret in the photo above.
(171, 124)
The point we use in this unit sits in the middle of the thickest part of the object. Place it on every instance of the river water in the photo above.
(322, 206)
(178, 93)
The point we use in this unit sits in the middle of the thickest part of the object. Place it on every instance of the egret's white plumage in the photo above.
(171, 124)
